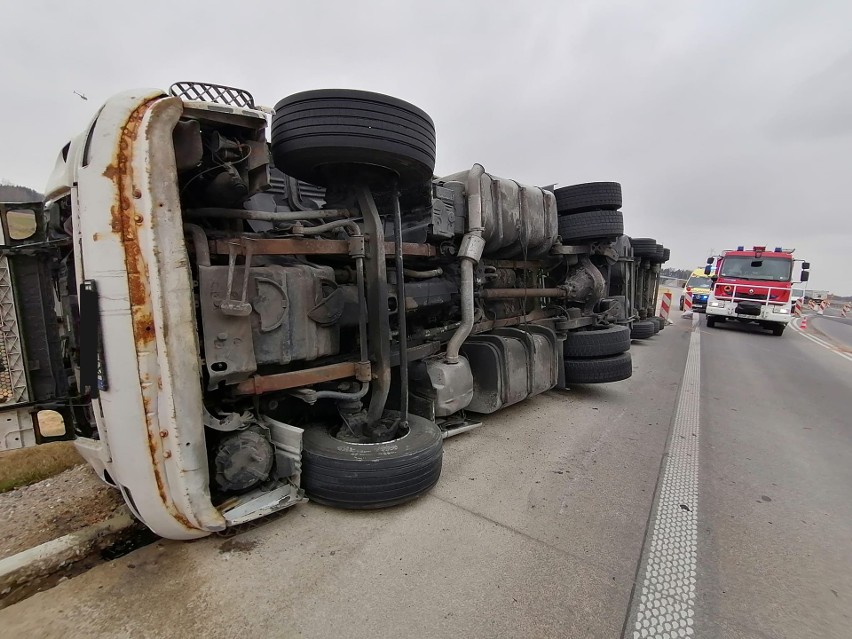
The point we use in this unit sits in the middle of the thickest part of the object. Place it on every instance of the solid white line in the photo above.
(796, 327)
(668, 583)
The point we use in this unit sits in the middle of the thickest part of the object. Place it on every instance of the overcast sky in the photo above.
(727, 122)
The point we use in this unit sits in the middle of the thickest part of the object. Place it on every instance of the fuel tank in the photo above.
(518, 220)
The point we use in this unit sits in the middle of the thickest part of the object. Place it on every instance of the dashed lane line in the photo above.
(665, 607)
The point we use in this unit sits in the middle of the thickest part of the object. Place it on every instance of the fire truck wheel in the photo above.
(598, 371)
(711, 322)
(597, 343)
(590, 225)
(315, 132)
(778, 330)
(372, 475)
(593, 196)
(642, 330)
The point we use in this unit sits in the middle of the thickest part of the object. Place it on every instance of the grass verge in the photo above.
(27, 466)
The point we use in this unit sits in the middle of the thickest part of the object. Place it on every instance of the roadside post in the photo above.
(687, 305)
(665, 306)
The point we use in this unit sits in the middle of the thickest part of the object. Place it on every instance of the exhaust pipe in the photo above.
(470, 253)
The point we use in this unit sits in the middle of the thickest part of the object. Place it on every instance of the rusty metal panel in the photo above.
(298, 246)
(267, 383)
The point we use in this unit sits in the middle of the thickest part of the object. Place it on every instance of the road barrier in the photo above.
(822, 305)
(797, 308)
(845, 310)
(687, 305)
(665, 306)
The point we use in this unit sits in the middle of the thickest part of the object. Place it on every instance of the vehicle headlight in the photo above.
(780, 309)
(715, 303)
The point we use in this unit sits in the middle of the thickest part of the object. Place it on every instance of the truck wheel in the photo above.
(642, 330)
(666, 254)
(711, 322)
(590, 225)
(681, 302)
(592, 196)
(778, 330)
(661, 322)
(644, 247)
(315, 130)
(598, 371)
(656, 323)
(597, 343)
(374, 475)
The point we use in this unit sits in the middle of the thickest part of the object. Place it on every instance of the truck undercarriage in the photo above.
(247, 321)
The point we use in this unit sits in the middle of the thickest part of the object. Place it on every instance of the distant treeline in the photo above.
(17, 193)
(679, 273)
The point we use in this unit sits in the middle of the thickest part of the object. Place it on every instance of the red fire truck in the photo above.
(753, 286)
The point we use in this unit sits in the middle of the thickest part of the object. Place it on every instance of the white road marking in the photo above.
(667, 597)
(796, 327)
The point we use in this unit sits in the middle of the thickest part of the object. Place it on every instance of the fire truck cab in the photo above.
(752, 286)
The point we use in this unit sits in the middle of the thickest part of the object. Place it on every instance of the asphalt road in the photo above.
(835, 328)
(551, 520)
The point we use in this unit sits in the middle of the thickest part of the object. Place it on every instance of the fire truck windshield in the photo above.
(749, 268)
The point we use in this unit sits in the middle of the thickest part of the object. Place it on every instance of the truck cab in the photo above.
(239, 307)
(752, 286)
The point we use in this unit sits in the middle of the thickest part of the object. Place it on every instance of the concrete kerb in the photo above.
(41, 561)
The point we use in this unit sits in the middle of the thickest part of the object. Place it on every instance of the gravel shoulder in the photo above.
(54, 507)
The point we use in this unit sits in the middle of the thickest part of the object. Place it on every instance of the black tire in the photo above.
(661, 321)
(642, 330)
(315, 130)
(592, 196)
(644, 247)
(656, 323)
(666, 255)
(681, 302)
(778, 330)
(362, 476)
(598, 371)
(711, 322)
(657, 257)
(597, 343)
(590, 225)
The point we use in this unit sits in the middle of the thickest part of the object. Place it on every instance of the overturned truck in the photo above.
(243, 321)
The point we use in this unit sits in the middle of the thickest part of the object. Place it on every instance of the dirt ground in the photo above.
(26, 466)
(71, 500)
